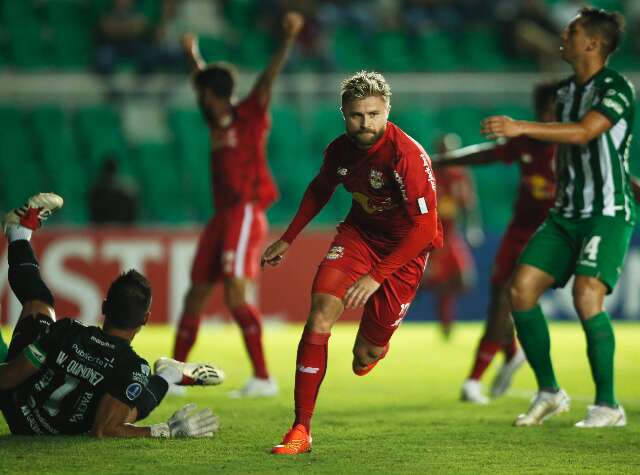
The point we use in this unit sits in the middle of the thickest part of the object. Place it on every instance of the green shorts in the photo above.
(593, 247)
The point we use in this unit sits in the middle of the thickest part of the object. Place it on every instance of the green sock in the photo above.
(533, 333)
(601, 345)
(3, 349)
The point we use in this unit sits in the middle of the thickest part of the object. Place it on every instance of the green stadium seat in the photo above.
(436, 52)
(496, 196)
(348, 50)
(419, 122)
(157, 172)
(481, 51)
(71, 37)
(240, 14)
(57, 151)
(214, 48)
(254, 50)
(100, 135)
(326, 123)
(464, 121)
(21, 174)
(391, 52)
(193, 151)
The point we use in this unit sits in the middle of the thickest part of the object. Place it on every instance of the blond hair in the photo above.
(365, 84)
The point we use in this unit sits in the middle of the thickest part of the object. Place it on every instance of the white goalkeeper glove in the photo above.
(187, 422)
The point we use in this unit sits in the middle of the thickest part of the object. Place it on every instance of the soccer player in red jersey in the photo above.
(243, 189)
(378, 256)
(535, 196)
(451, 269)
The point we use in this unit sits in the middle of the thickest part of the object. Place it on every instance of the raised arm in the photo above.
(478, 154)
(292, 24)
(191, 49)
(592, 125)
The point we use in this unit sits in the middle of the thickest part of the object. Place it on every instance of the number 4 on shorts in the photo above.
(590, 250)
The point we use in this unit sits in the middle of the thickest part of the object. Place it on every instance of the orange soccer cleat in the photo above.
(296, 441)
(369, 367)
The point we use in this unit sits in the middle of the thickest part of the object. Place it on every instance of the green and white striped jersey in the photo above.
(593, 179)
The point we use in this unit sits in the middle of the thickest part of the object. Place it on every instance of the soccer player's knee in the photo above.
(320, 321)
(586, 301)
(520, 296)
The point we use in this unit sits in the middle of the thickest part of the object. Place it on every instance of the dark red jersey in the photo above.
(390, 183)
(394, 196)
(537, 179)
(455, 193)
(239, 169)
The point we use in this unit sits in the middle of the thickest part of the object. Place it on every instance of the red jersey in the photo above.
(537, 179)
(239, 169)
(394, 196)
(455, 191)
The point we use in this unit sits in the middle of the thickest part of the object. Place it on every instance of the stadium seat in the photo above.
(465, 121)
(157, 173)
(192, 148)
(419, 122)
(214, 48)
(57, 151)
(392, 52)
(326, 123)
(435, 52)
(348, 50)
(497, 187)
(100, 135)
(71, 40)
(480, 48)
(21, 174)
(254, 50)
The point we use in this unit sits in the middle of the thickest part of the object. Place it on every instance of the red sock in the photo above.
(484, 355)
(510, 348)
(248, 318)
(311, 366)
(186, 336)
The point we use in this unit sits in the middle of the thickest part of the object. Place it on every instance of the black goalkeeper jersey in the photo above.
(77, 366)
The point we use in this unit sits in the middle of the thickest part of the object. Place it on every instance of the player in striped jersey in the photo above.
(588, 230)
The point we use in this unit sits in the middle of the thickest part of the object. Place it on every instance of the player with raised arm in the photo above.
(451, 268)
(535, 196)
(378, 256)
(62, 377)
(243, 189)
(588, 230)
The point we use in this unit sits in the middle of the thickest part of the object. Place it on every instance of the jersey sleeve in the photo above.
(48, 344)
(416, 181)
(616, 100)
(130, 377)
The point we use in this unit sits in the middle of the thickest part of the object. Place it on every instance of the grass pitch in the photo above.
(404, 417)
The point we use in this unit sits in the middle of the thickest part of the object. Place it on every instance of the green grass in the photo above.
(404, 417)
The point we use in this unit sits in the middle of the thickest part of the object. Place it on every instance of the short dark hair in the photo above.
(543, 94)
(609, 26)
(219, 78)
(128, 300)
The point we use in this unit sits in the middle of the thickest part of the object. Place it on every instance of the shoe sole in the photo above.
(559, 410)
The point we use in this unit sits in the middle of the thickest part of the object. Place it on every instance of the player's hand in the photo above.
(188, 41)
(358, 294)
(292, 24)
(498, 126)
(635, 188)
(189, 422)
(274, 254)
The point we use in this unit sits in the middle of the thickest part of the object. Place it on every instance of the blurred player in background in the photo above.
(588, 230)
(451, 269)
(535, 196)
(64, 378)
(378, 256)
(243, 189)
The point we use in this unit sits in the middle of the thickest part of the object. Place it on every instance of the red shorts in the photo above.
(348, 259)
(230, 244)
(511, 246)
(453, 262)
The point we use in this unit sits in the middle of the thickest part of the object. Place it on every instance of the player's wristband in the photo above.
(160, 430)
